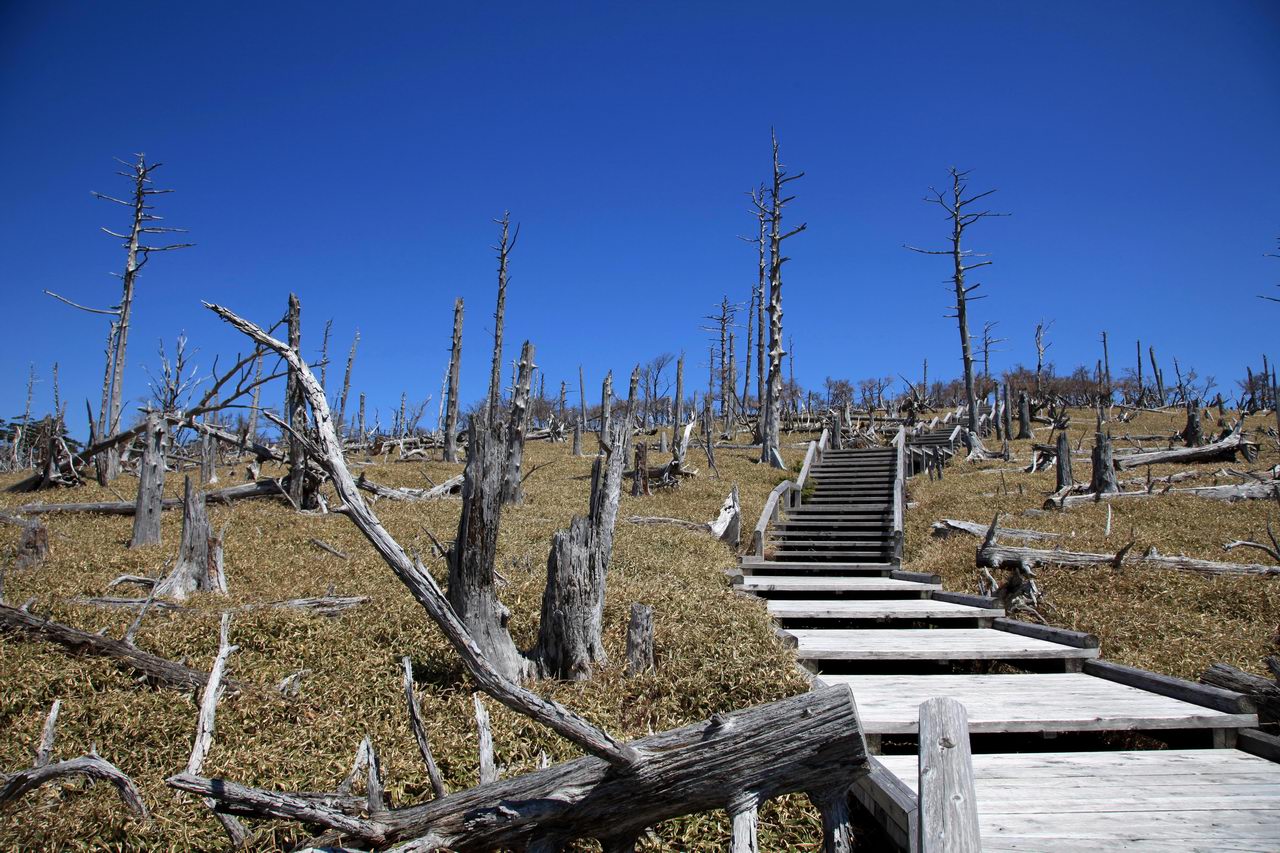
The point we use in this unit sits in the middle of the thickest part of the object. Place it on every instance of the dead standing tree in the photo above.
(451, 404)
(296, 411)
(957, 209)
(504, 247)
(517, 427)
(770, 408)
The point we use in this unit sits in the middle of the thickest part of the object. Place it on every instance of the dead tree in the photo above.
(1193, 433)
(1024, 417)
(144, 223)
(346, 383)
(606, 403)
(577, 438)
(761, 240)
(957, 209)
(1041, 347)
(569, 636)
(504, 247)
(451, 405)
(191, 572)
(295, 411)
(640, 656)
(146, 518)
(517, 426)
(582, 399)
(1103, 479)
(640, 479)
(770, 433)
(1065, 480)
(1106, 370)
(989, 342)
(677, 421)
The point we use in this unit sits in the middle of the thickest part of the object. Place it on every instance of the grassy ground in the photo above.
(1170, 622)
(716, 652)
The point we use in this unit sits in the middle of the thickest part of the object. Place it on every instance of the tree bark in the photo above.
(1193, 433)
(517, 425)
(191, 572)
(640, 655)
(296, 411)
(499, 314)
(1024, 417)
(1103, 479)
(1065, 480)
(451, 406)
(146, 517)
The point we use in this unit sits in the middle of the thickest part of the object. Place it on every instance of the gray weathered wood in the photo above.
(295, 412)
(944, 528)
(803, 743)
(191, 571)
(1063, 460)
(1103, 478)
(488, 767)
(640, 655)
(948, 810)
(517, 426)
(1227, 448)
(744, 816)
(420, 731)
(1264, 692)
(146, 516)
(1227, 701)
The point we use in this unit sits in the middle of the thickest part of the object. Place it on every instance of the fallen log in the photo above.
(1234, 492)
(1209, 567)
(1265, 692)
(726, 526)
(322, 605)
(947, 526)
(810, 743)
(155, 667)
(994, 556)
(1229, 447)
(258, 488)
(451, 486)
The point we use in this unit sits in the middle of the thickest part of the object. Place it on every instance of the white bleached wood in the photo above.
(938, 644)
(420, 730)
(891, 608)
(488, 768)
(744, 813)
(948, 806)
(44, 751)
(830, 583)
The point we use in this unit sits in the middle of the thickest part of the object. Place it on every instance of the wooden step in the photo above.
(755, 565)
(870, 608)
(830, 583)
(1025, 702)
(935, 644)
(1088, 802)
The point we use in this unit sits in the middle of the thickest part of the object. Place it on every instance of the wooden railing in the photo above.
(772, 505)
(812, 456)
(899, 493)
(946, 805)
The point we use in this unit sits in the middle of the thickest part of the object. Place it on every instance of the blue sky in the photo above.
(357, 155)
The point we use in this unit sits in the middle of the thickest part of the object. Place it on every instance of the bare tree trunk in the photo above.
(1103, 479)
(606, 402)
(569, 635)
(1064, 462)
(254, 401)
(640, 471)
(495, 374)
(1106, 367)
(640, 657)
(577, 438)
(451, 406)
(1024, 417)
(296, 411)
(582, 399)
(1193, 433)
(762, 215)
(146, 517)
(346, 383)
(770, 434)
(678, 422)
(517, 426)
(472, 589)
(191, 572)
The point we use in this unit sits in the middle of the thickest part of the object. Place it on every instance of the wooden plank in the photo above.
(903, 608)
(927, 644)
(829, 583)
(1047, 632)
(1188, 691)
(948, 804)
(1026, 702)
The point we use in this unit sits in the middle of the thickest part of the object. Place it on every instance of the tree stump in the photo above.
(146, 517)
(1024, 417)
(1103, 480)
(1193, 433)
(192, 569)
(640, 657)
(1064, 462)
(640, 482)
(577, 438)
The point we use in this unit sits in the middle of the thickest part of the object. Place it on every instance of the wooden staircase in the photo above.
(828, 563)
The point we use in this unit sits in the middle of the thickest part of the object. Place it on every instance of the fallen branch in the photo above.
(947, 526)
(1265, 692)
(451, 486)
(1226, 448)
(258, 488)
(1234, 492)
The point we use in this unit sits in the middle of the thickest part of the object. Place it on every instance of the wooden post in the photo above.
(837, 823)
(451, 406)
(146, 517)
(640, 656)
(948, 806)
(1064, 462)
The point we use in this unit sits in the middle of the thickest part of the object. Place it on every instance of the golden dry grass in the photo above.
(716, 652)
(1170, 622)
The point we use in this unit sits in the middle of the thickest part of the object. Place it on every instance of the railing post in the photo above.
(947, 805)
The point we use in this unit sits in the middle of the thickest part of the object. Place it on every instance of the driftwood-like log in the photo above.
(1207, 567)
(91, 766)
(449, 487)
(420, 582)
(258, 488)
(146, 517)
(1228, 448)
(160, 669)
(419, 729)
(1264, 692)
(727, 525)
(810, 742)
(1253, 490)
(640, 655)
(947, 526)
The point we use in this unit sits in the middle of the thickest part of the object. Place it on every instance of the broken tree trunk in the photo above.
(1024, 417)
(1065, 480)
(451, 407)
(569, 635)
(451, 486)
(808, 743)
(517, 426)
(1224, 449)
(640, 472)
(577, 438)
(640, 656)
(727, 525)
(1103, 478)
(1253, 490)
(1193, 433)
(146, 517)
(191, 572)
(295, 411)
(947, 526)
(1265, 692)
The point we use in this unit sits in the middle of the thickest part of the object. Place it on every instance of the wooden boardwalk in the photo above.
(827, 562)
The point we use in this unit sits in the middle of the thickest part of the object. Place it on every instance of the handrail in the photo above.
(899, 492)
(812, 456)
(955, 433)
(768, 514)
(946, 805)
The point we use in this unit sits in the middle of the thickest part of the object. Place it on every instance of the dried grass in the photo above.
(716, 651)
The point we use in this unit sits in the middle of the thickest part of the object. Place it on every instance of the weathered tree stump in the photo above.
(1063, 460)
(640, 656)
(146, 517)
(577, 438)
(1103, 480)
(640, 479)
(1193, 433)
(191, 572)
(451, 405)
(1024, 417)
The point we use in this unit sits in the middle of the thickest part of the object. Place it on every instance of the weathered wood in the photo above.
(517, 425)
(948, 809)
(504, 247)
(1076, 639)
(570, 643)
(420, 731)
(420, 582)
(191, 572)
(488, 767)
(1103, 478)
(947, 526)
(448, 488)
(1024, 417)
(1193, 433)
(91, 766)
(727, 525)
(640, 475)
(577, 438)
(744, 817)
(146, 517)
(803, 743)
(1208, 567)
(1265, 692)
(1227, 701)
(161, 669)
(1227, 448)
(451, 404)
(640, 655)
(1063, 460)
(1252, 490)
(295, 411)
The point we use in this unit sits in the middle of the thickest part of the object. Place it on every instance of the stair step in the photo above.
(932, 644)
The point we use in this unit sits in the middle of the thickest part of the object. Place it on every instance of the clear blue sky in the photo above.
(357, 155)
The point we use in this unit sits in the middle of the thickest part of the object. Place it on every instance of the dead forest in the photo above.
(271, 613)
